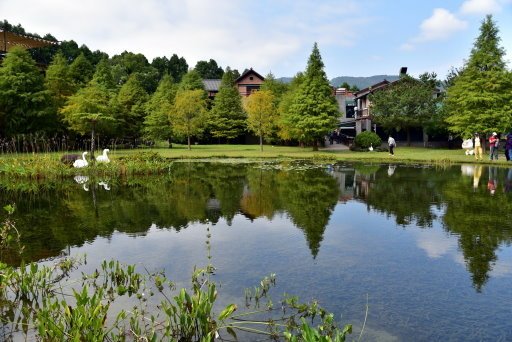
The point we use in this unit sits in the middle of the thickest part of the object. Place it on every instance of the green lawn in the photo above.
(402, 154)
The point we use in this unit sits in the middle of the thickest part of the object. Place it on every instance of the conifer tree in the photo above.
(314, 110)
(23, 99)
(131, 101)
(92, 107)
(157, 125)
(191, 81)
(227, 118)
(58, 80)
(60, 86)
(287, 130)
(480, 98)
(81, 71)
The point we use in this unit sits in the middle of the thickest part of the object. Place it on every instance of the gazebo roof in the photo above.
(8, 40)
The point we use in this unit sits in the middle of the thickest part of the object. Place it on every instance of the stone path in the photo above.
(334, 147)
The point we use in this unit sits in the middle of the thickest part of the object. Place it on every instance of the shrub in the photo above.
(367, 139)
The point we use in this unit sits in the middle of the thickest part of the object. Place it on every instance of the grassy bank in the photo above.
(402, 154)
(157, 160)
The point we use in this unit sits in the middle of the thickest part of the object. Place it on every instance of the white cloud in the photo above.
(235, 33)
(481, 6)
(435, 243)
(441, 25)
(407, 47)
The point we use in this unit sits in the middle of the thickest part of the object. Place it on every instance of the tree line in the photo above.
(126, 98)
(475, 98)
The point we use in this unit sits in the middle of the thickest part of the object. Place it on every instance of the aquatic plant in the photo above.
(48, 302)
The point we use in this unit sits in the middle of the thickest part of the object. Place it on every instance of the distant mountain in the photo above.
(360, 82)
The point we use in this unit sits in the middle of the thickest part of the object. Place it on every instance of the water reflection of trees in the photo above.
(481, 220)
(51, 218)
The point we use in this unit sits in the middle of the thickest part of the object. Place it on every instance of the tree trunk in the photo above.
(261, 142)
(188, 138)
(315, 145)
(92, 140)
(408, 130)
(425, 138)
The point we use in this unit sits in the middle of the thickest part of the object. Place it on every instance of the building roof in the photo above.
(8, 40)
(247, 72)
(368, 90)
(211, 84)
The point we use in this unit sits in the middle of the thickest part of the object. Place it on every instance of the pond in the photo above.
(428, 248)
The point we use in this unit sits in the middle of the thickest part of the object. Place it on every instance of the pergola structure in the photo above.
(8, 40)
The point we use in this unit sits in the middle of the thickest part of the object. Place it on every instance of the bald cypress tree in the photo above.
(480, 97)
(227, 118)
(314, 109)
(23, 99)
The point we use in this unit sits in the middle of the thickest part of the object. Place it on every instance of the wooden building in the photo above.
(249, 82)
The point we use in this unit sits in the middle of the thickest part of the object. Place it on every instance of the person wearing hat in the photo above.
(493, 143)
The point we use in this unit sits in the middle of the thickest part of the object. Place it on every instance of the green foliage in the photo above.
(261, 114)
(156, 124)
(178, 67)
(287, 130)
(209, 70)
(58, 80)
(131, 101)
(367, 139)
(480, 96)
(103, 75)
(81, 71)
(191, 81)
(405, 103)
(188, 113)
(23, 99)
(314, 110)
(89, 108)
(277, 88)
(227, 118)
(353, 88)
(46, 302)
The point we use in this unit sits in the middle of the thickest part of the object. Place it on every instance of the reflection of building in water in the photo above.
(346, 181)
(352, 184)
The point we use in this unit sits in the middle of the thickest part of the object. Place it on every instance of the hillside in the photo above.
(360, 82)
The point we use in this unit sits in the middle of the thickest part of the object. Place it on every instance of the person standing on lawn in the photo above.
(392, 145)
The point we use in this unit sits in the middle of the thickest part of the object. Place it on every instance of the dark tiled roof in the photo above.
(211, 85)
(247, 72)
(371, 88)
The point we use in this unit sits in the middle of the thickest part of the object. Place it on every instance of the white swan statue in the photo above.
(103, 158)
(370, 148)
(81, 162)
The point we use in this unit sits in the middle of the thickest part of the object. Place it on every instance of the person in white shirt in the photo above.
(391, 144)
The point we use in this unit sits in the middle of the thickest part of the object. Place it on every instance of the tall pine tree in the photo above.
(227, 118)
(157, 125)
(480, 98)
(23, 99)
(131, 101)
(314, 110)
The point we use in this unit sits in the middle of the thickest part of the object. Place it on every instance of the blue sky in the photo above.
(356, 38)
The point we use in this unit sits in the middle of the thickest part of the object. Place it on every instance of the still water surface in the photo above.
(430, 247)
